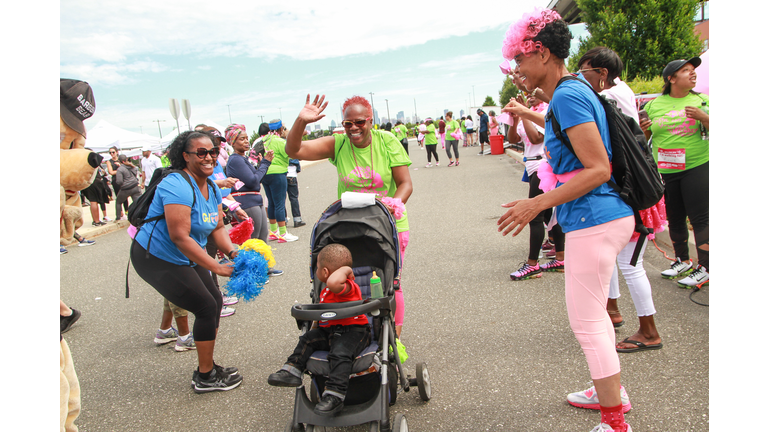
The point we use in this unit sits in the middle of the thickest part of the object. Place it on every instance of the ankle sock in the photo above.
(273, 227)
(185, 337)
(614, 417)
(206, 375)
(283, 230)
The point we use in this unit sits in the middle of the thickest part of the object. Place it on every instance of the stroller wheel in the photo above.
(313, 428)
(422, 380)
(290, 428)
(400, 424)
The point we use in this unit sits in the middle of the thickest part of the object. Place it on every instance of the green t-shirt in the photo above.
(463, 128)
(677, 143)
(280, 162)
(450, 126)
(353, 166)
(400, 132)
(430, 137)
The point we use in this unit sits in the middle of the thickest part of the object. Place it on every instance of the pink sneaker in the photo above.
(273, 236)
(452, 164)
(588, 399)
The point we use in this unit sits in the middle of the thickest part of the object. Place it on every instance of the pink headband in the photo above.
(233, 131)
(518, 39)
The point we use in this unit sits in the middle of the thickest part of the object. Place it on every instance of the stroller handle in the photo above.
(335, 311)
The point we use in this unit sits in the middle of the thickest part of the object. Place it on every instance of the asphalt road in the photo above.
(501, 354)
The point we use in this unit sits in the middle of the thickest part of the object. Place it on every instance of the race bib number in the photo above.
(671, 159)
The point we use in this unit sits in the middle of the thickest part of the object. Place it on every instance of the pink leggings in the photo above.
(399, 302)
(590, 257)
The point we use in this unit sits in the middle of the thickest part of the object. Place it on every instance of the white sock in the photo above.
(185, 337)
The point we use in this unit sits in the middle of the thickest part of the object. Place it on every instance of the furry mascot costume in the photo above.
(77, 166)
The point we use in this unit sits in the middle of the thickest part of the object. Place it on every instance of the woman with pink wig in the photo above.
(367, 161)
(596, 222)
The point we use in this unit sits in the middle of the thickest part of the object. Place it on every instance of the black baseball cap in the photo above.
(76, 103)
(675, 66)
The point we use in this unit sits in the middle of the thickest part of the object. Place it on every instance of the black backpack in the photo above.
(637, 179)
(137, 211)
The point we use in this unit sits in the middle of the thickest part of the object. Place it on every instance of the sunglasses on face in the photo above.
(359, 123)
(587, 70)
(111, 152)
(201, 152)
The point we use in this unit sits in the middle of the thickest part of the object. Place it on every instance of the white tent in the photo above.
(105, 135)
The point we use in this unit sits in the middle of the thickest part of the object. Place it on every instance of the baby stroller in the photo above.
(370, 235)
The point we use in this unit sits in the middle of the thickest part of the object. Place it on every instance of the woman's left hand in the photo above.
(241, 214)
(696, 113)
(519, 214)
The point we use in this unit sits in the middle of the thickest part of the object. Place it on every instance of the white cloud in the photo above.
(110, 73)
(112, 32)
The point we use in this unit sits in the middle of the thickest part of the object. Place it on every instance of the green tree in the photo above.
(489, 101)
(647, 34)
(508, 91)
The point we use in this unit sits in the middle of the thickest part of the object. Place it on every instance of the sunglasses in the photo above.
(587, 70)
(201, 152)
(112, 152)
(359, 123)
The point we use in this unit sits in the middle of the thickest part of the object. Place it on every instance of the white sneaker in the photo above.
(699, 277)
(588, 399)
(287, 237)
(227, 311)
(602, 427)
(677, 269)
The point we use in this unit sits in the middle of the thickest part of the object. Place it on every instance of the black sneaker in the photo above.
(225, 371)
(297, 224)
(67, 321)
(283, 378)
(217, 382)
(329, 405)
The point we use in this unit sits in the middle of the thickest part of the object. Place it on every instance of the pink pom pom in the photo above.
(132, 231)
(396, 204)
(521, 32)
(547, 178)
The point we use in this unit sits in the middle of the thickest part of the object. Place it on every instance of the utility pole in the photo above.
(389, 119)
(415, 113)
(474, 101)
(230, 114)
(373, 112)
(158, 127)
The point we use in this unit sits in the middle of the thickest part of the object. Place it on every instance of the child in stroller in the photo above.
(344, 339)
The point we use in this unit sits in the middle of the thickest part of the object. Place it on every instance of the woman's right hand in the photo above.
(269, 155)
(313, 111)
(224, 270)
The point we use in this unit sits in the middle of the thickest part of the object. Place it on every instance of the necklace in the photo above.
(358, 168)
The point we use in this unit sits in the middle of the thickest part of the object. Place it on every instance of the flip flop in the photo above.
(640, 346)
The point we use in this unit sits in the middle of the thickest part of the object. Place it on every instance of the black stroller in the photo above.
(370, 235)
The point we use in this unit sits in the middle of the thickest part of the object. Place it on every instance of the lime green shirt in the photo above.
(400, 132)
(677, 143)
(451, 126)
(280, 161)
(430, 137)
(463, 128)
(369, 170)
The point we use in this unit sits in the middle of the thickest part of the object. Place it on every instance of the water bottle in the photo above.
(704, 132)
(376, 291)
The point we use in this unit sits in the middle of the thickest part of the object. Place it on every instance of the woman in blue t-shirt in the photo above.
(169, 254)
(596, 222)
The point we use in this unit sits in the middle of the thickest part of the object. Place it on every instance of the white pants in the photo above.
(637, 281)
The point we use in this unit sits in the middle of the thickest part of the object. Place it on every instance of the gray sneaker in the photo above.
(189, 344)
(162, 338)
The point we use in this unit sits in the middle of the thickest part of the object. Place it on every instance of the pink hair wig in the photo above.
(518, 39)
(358, 100)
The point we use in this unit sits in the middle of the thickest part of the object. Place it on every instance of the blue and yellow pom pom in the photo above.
(252, 265)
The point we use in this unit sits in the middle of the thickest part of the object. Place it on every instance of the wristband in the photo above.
(231, 252)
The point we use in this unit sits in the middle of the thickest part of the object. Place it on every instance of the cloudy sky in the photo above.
(246, 61)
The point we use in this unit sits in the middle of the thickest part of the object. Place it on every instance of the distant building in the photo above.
(461, 113)
(333, 124)
(401, 116)
(376, 116)
(317, 127)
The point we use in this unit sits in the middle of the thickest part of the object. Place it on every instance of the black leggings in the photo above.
(187, 287)
(686, 194)
(431, 150)
(538, 226)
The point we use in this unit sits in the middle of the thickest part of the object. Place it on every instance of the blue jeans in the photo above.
(276, 187)
(343, 344)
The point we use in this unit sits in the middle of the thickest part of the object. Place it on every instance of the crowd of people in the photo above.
(570, 207)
